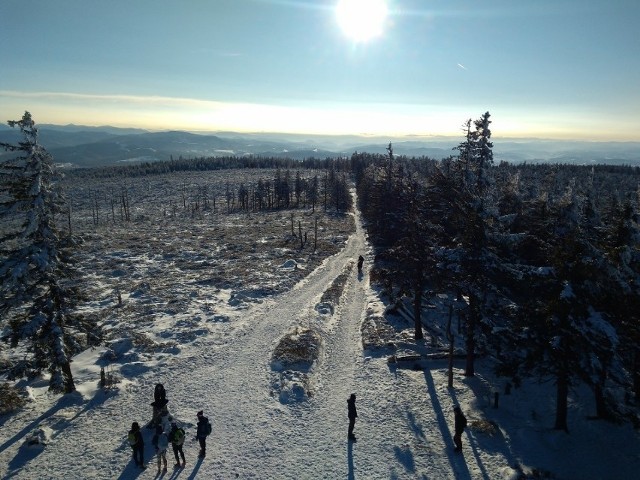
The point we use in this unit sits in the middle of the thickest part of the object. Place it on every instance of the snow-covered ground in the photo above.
(213, 351)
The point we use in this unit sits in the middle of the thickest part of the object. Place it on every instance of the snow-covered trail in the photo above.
(402, 427)
(255, 435)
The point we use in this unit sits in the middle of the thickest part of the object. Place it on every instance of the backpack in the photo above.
(209, 428)
(133, 438)
(178, 437)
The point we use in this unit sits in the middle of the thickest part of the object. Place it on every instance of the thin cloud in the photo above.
(462, 66)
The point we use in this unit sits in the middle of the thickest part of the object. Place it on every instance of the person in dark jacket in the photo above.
(159, 405)
(176, 437)
(360, 262)
(137, 444)
(460, 423)
(352, 413)
(201, 433)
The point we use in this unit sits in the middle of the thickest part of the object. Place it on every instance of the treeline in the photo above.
(204, 164)
(284, 192)
(113, 200)
(546, 257)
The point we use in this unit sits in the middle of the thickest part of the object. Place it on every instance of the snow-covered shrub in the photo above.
(292, 386)
(37, 438)
(377, 333)
(298, 349)
(484, 426)
(10, 398)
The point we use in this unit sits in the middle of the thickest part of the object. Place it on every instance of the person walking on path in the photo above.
(176, 437)
(204, 429)
(460, 423)
(360, 262)
(161, 442)
(352, 413)
(137, 444)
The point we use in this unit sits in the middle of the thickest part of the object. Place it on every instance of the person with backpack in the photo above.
(161, 443)
(159, 405)
(460, 423)
(137, 444)
(352, 413)
(176, 437)
(203, 431)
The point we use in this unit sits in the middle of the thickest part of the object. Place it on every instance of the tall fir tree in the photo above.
(36, 288)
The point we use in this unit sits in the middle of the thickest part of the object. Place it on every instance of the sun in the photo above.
(361, 20)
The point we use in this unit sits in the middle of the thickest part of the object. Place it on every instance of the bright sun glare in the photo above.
(361, 20)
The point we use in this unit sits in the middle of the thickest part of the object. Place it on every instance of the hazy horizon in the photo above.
(558, 69)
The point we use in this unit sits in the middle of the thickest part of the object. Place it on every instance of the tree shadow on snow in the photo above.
(458, 464)
(27, 453)
(494, 442)
(405, 457)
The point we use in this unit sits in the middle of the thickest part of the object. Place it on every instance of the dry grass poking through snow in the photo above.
(292, 360)
(172, 274)
(10, 398)
(298, 349)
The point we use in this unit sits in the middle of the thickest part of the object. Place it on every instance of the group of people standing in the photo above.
(167, 431)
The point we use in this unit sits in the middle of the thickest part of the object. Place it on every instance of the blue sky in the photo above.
(543, 68)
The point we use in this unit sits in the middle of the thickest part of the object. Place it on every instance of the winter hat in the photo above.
(199, 414)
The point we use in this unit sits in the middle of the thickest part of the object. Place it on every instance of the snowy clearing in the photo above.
(213, 349)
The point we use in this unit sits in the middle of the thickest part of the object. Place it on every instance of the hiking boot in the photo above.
(177, 465)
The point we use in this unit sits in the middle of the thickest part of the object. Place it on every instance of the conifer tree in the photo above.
(35, 288)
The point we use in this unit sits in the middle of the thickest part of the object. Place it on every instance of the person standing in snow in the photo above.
(460, 423)
(176, 437)
(161, 443)
(137, 444)
(360, 262)
(159, 405)
(352, 414)
(202, 432)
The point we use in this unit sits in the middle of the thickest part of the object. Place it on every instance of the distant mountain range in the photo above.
(81, 146)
